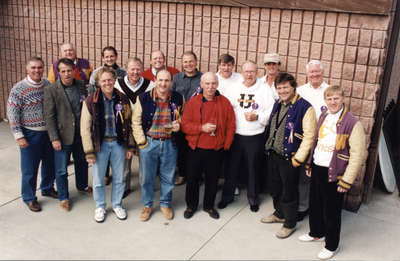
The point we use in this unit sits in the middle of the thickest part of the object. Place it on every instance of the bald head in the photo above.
(67, 50)
(157, 60)
(249, 73)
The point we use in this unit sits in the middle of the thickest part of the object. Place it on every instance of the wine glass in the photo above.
(213, 121)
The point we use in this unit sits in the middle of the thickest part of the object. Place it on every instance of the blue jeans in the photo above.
(39, 149)
(162, 154)
(61, 159)
(115, 153)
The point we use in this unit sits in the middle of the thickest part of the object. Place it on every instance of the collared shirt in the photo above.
(74, 98)
(110, 129)
(315, 96)
(272, 87)
(161, 117)
(225, 85)
(277, 131)
(154, 71)
(186, 85)
(326, 140)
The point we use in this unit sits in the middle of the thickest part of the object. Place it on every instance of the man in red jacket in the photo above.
(209, 124)
(157, 61)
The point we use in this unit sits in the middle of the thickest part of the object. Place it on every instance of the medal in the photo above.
(254, 106)
(290, 126)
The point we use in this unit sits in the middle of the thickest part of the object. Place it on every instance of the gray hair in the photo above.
(205, 75)
(314, 62)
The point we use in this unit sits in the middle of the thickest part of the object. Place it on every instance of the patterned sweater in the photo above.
(25, 106)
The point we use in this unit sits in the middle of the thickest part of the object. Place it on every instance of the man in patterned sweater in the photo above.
(25, 113)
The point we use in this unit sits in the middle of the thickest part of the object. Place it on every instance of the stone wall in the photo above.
(351, 46)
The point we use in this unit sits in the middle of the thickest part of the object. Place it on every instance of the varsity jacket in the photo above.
(349, 152)
(144, 110)
(226, 125)
(299, 129)
(93, 122)
(83, 69)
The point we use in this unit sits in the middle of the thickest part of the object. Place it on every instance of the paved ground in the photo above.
(371, 234)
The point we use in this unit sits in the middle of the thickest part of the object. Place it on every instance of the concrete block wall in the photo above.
(351, 46)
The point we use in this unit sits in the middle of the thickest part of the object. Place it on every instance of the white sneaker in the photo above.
(325, 254)
(120, 213)
(237, 191)
(308, 238)
(99, 215)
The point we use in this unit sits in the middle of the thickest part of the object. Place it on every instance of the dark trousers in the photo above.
(248, 151)
(325, 208)
(283, 186)
(199, 161)
(183, 149)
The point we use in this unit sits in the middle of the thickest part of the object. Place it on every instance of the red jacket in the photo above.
(226, 125)
(148, 74)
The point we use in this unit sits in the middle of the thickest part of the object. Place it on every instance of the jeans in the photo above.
(115, 153)
(160, 154)
(39, 149)
(61, 158)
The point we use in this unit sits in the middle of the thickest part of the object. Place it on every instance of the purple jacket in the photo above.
(341, 153)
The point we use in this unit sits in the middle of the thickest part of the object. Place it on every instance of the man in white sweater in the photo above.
(313, 92)
(227, 78)
(252, 103)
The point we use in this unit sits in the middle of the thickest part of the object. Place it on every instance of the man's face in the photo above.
(106, 82)
(314, 75)
(225, 69)
(249, 73)
(334, 101)
(109, 57)
(66, 74)
(134, 72)
(209, 85)
(67, 51)
(271, 69)
(163, 82)
(285, 91)
(157, 60)
(189, 64)
(35, 70)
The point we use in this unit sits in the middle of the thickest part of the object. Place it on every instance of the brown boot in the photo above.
(34, 206)
(146, 213)
(167, 212)
(64, 205)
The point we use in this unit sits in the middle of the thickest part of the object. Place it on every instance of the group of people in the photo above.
(189, 127)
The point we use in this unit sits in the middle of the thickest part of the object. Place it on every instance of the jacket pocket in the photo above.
(343, 157)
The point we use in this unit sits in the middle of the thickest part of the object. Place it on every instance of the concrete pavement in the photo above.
(371, 234)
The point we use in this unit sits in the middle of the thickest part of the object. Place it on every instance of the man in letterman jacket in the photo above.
(289, 137)
(132, 85)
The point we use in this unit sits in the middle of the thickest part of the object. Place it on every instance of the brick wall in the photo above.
(351, 46)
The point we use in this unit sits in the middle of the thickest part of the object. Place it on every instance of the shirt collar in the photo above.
(185, 76)
(130, 85)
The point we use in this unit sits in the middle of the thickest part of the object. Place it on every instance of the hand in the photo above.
(341, 190)
(91, 160)
(128, 154)
(250, 116)
(56, 145)
(176, 126)
(22, 143)
(208, 127)
(308, 172)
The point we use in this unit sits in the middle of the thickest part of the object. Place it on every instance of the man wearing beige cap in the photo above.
(272, 62)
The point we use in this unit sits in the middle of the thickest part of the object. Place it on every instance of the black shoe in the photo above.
(223, 204)
(51, 194)
(126, 193)
(254, 208)
(212, 212)
(188, 213)
(301, 215)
